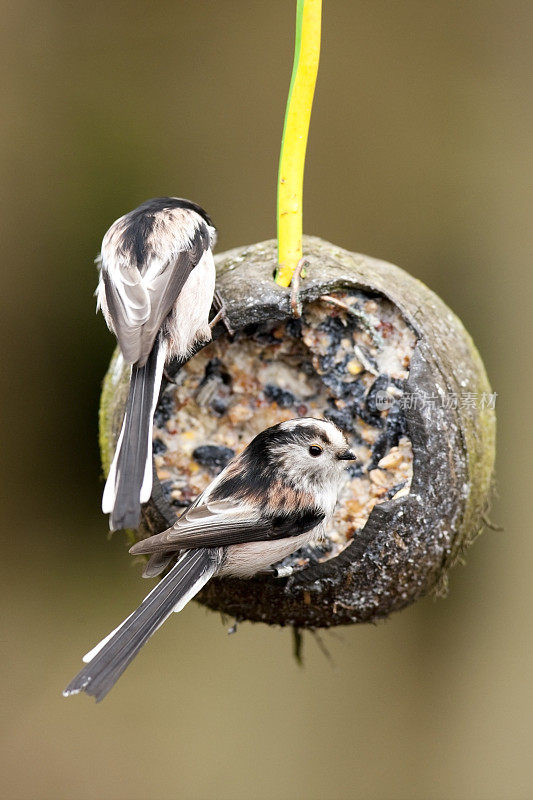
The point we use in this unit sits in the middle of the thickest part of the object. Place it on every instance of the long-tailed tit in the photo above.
(157, 278)
(269, 501)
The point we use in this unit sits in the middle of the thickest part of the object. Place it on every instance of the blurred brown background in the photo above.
(421, 152)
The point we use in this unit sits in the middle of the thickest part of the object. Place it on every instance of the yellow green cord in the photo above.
(294, 141)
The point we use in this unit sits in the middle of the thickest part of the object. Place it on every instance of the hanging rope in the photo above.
(294, 141)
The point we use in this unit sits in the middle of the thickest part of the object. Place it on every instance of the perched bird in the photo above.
(156, 285)
(269, 501)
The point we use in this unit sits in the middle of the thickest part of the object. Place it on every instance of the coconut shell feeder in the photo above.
(382, 356)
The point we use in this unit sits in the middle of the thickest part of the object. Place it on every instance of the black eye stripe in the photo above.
(315, 450)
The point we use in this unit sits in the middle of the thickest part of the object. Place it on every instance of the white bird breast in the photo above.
(245, 560)
(189, 320)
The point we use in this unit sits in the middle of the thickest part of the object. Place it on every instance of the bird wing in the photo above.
(139, 299)
(226, 522)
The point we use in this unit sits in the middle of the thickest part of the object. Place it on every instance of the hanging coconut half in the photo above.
(376, 352)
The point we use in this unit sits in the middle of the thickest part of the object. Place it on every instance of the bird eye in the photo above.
(315, 450)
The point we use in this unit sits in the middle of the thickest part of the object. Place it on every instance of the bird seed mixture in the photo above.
(346, 359)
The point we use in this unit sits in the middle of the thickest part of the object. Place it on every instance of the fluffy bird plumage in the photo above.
(268, 502)
(156, 285)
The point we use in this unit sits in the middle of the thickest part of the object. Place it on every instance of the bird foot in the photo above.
(168, 377)
(220, 316)
(296, 303)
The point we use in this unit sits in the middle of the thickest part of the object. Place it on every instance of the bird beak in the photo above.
(347, 455)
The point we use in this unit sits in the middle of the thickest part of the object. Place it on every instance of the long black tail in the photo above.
(108, 660)
(129, 482)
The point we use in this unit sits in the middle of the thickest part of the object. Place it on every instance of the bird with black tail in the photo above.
(156, 285)
(275, 497)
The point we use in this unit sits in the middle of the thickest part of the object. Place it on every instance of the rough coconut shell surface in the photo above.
(408, 544)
